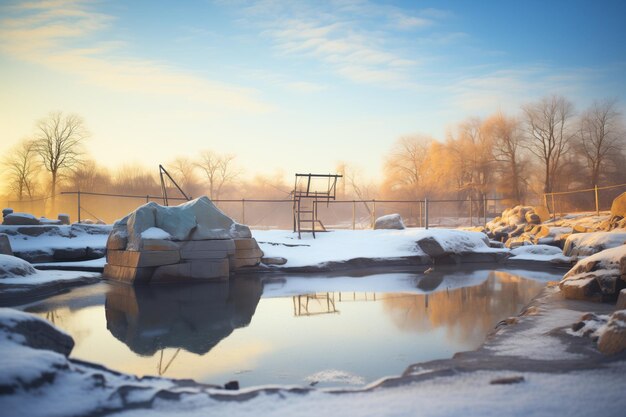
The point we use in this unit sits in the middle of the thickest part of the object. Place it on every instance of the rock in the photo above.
(70, 254)
(35, 231)
(139, 221)
(585, 288)
(390, 221)
(276, 260)
(118, 238)
(159, 244)
(532, 218)
(5, 245)
(18, 219)
(64, 218)
(6, 211)
(34, 332)
(613, 339)
(196, 269)
(11, 266)
(618, 207)
(142, 259)
(431, 247)
(542, 212)
(128, 274)
(621, 300)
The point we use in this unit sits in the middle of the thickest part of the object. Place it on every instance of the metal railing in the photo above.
(589, 199)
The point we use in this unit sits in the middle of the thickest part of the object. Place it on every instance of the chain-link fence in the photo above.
(587, 200)
(275, 214)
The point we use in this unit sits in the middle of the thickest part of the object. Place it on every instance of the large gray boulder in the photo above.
(11, 266)
(390, 221)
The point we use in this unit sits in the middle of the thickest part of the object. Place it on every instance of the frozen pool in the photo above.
(289, 330)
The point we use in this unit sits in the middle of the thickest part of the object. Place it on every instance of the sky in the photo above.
(294, 86)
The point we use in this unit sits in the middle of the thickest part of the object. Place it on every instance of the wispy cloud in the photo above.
(357, 40)
(62, 35)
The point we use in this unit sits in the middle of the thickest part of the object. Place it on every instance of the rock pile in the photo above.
(157, 244)
(521, 225)
(10, 218)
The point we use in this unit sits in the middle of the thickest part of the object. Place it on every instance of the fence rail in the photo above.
(591, 199)
(277, 213)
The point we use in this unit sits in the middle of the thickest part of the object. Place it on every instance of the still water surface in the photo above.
(341, 331)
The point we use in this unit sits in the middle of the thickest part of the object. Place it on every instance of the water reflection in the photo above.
(466, 313)
(192, 317)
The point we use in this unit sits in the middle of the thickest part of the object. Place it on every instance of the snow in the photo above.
(14, 270)
(606, 262)
(92, 263)
(589, 243)
(545, 253)
(344, 245)
(155, 233)
(11, 266)
(335, 376)
(73, 236)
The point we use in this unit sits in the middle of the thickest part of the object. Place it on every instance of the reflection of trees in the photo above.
(192, 317)
(467, 313)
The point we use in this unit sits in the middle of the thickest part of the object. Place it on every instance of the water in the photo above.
(341, 331)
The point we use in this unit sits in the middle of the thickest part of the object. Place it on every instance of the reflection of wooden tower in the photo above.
(308, 191)
(324, 304)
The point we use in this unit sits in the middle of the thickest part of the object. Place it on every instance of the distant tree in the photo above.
(507, 137)
(407, 166)
(184, 172)
(89, 176)
(58, 141)
(135, 179)
(600, 134)
(549, 134)
(21, 169)
(219, 170)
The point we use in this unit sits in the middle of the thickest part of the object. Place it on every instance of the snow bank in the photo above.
(17, 271)
(544, 253)
(344, 245)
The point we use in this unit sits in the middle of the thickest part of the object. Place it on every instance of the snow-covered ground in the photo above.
(344, 245)
(17, 271)
(74, 236)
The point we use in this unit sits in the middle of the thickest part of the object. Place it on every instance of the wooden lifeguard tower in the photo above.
(308, 191)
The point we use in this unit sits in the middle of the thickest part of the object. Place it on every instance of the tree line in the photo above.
(546, 147)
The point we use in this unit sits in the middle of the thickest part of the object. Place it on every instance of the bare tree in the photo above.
(507, 138)
(600, 134)
(407, 165)
(89, 176)
(22, 169)
(549, 135)
(219, 170)
(58, 141)
(184, 171)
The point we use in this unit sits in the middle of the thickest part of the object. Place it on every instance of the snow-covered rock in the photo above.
(155, 233)
(613, 336)
(390, 221)
(598, 277)
(585, 244)
(11, 267)
(545, 253)
(18, 219)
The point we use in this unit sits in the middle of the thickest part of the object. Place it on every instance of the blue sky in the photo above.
(273, 80)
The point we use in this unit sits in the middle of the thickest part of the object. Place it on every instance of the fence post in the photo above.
(147, 198)
(353, 215)
(419, 209)
(426, 212)
(373, 213)
(470, 210)
(78, 200)
(243, 211)
(597, 202)
(485, 210)
(553, 208)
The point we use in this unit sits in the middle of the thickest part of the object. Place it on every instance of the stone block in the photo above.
(142, 259)
(118, 239)
(250, 243)
(5, 245)
(203, 254)
(6, 211)
(128, 274)
(227, 245)
(64, 218)
(159, 245)
(18, 219)
(275, 260)
(585, 288)
(236, 263)
(193, 270)
(248, 253)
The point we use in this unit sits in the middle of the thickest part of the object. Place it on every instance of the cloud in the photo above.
(62, 36)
